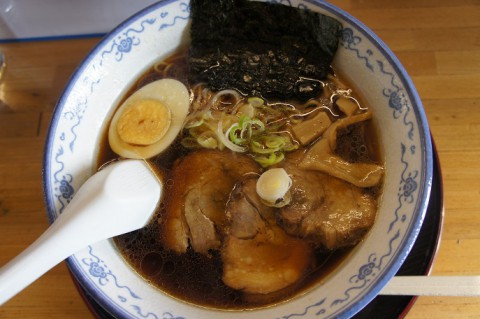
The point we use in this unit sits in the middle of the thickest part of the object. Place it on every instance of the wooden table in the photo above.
(438, 41)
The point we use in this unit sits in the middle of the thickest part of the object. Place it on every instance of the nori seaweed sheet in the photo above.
(261, 48)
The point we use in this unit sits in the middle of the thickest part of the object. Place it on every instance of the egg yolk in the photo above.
(143, 122)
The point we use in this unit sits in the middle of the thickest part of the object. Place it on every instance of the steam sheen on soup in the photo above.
(262, 197)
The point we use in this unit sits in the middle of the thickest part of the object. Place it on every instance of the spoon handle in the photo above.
(118, 199)
(433, 286)
(53, 246)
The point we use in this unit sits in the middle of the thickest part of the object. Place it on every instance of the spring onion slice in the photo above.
(255, 101)
(259, 148)
(270, 159)
(223, 138)
(233, 133)
(207, 140)
(194, 123)
(275, 142)
(242, 132)
(273, 187)
(190, 142)
(198, 118)
(269, 143)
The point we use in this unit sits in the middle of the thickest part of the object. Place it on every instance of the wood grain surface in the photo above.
(438, 42)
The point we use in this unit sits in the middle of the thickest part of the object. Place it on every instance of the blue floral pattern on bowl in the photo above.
(79, 119)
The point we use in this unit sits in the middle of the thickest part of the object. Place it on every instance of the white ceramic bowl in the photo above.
(124, 54)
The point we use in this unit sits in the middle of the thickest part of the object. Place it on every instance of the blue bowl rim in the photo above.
(427, 154)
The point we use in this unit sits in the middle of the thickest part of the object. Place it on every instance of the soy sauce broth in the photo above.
(193, 277)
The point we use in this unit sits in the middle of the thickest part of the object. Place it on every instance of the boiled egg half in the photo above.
(149, 120)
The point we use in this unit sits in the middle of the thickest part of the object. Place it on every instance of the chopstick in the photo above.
(467, 286)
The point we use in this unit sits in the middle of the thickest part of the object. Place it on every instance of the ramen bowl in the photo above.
(103, 78)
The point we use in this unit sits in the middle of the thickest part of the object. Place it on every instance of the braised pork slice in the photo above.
(195, 211)
(325, 210)
(258, 256)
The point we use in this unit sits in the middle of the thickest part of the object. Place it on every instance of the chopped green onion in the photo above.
(242, 132)
(254, 127)
(290, 146)
(273, 187)
(190, 142)
(275, 142)
(224, 139)
(268, 144)
(193, 124)
(259, 148)
(197, 119)
(270, 159)
(255, 101)
(246, 109)
(207, 140)
(234, 134)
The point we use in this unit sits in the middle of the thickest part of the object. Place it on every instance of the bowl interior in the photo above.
(108, 72)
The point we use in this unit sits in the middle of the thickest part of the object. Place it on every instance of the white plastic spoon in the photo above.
(118, 199)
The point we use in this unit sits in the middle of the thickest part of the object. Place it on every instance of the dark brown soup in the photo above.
(195, 277)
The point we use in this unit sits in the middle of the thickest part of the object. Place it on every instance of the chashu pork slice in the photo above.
(195, 207)
(259, 257)
(326, 210)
